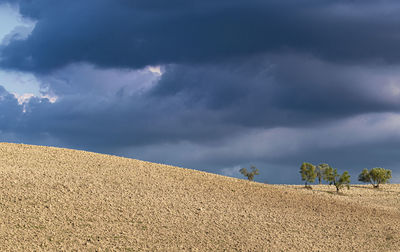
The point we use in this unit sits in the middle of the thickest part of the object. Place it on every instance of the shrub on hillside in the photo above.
(375, 176)
(249, 175)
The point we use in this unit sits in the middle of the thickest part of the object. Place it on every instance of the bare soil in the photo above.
(61, 199)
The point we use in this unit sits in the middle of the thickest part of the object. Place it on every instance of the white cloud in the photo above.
(155, 69)
(24, 98)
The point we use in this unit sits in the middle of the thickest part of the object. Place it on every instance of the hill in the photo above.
(61, 199)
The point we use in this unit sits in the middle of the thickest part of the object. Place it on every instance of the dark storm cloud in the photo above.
(284, 90)
(94, 121)
(205, 103)
(133, 34)
(214, 116)
(94, 117)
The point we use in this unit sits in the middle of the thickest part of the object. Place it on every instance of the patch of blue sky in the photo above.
(16, 82)
(9, 19)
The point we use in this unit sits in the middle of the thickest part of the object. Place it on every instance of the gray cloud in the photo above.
(204, 103)
(283, 90)
(364, 141)
(261, 92)
(10, 111)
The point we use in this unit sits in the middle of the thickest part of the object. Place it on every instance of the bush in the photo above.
(339, 181)
(249, 175)
(308, 173)
(376, 176)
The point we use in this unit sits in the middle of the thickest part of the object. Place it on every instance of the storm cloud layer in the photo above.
(134, 34)
(211, 85)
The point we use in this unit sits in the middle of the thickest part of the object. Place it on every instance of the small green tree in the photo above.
(376, 176)
(320, 171)
(308, 173)
(334, 178)
(250, 175)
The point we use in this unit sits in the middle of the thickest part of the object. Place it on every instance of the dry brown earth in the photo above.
(60, 199)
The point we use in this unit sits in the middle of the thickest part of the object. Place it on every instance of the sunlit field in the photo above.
(60, 199)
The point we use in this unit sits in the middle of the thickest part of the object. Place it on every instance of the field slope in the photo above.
(60, 199)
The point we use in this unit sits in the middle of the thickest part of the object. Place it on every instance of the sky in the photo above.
(208, 85)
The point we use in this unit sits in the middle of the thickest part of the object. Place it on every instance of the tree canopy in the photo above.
(339, 181)
(308, 173)
(320, 171)
(375, 176)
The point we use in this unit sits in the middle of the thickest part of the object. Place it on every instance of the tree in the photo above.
(376, 176)
(250, 175)
(320, 171)
(308, 173)
(339, 181)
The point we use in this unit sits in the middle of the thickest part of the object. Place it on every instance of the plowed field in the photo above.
(60, 199)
